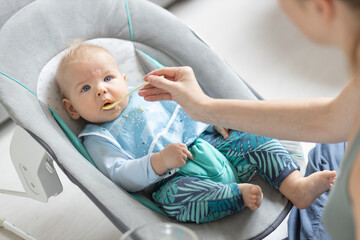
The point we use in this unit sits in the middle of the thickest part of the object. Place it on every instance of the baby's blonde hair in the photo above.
(77, 50)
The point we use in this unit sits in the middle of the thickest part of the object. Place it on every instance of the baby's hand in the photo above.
(172, 156)
(223, 131)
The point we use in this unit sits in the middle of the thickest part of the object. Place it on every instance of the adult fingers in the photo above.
(150, 90)
(160, 97)
(167, 72)
(160, 82)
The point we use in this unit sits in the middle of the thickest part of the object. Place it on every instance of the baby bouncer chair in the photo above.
(142, 37)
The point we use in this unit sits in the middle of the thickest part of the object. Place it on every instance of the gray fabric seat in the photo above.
(38, 32)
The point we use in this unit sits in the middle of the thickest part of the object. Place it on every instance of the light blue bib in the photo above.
(148, 127)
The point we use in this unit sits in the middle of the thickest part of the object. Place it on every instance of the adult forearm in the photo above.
(302, 120)
(317, 120)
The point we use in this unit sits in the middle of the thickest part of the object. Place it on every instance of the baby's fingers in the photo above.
(186, 151)
(189, 155)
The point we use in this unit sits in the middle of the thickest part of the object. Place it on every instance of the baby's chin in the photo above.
(113, 116)
(115, 113)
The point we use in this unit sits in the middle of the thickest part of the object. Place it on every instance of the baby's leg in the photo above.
(189, 199)
(248, 152)
(302, 191)
(273, 162)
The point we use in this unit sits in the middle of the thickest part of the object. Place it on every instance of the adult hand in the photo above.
(178, 84)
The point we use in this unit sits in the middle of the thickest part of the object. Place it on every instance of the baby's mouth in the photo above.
(109, 106)
(107, 103)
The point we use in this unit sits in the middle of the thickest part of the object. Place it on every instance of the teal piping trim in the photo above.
(152, 60)
(297, 155)
(180, 237)
(16, 81)
(129, 20)
(72, 137)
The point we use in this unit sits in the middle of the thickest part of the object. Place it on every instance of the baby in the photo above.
(140, 145)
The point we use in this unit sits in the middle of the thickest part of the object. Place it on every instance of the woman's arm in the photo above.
(315, 120)
(304, 120)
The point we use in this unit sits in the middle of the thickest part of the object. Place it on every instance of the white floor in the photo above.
(257, 40)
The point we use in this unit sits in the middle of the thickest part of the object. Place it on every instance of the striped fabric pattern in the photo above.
(189, 199)
(249, 153)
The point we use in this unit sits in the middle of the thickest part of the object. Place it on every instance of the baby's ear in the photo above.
(124, 76)
(70, 109)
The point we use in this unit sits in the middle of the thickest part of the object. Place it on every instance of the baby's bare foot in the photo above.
(303, 191)
(251, 194)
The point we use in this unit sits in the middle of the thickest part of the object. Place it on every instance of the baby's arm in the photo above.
(129, 173)
(172, 156)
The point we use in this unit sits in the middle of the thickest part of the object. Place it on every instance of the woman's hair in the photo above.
(353, 3)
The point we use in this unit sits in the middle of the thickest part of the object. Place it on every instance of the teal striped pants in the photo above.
(189, 199)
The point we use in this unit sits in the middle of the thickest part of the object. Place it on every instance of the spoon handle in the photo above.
(111, 106)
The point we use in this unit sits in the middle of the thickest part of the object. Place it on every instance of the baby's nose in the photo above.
(102, 91)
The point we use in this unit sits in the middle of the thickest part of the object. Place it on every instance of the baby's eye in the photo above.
(107, 78)
(85, 88)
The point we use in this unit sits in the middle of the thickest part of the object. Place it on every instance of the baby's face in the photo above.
(92, 82)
